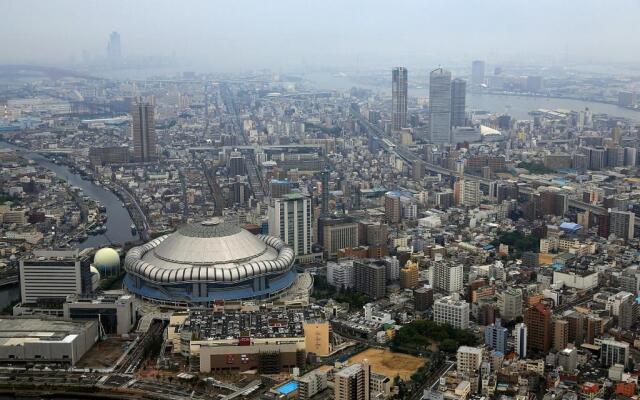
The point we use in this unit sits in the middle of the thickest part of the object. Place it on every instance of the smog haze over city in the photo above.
(291, 34)
(351, 200)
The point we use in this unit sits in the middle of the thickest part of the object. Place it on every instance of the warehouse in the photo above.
(36, 340)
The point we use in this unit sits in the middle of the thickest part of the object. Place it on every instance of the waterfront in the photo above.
(518, 106)
(119, 221)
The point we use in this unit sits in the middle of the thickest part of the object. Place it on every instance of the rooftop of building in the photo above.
(17, 331)
(233, 325)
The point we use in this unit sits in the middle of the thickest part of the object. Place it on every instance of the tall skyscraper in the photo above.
(114, 51)
(143, 131)
(325, 192)
(477, 73)
(440, 105)
(458, 102)
(352, 382)
(399, 89)
(290, 220)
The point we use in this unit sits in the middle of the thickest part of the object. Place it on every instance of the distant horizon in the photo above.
(289, 35)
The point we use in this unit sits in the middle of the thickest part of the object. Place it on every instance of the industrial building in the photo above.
(35, 340)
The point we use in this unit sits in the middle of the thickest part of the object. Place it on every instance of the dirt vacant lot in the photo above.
(388, 363)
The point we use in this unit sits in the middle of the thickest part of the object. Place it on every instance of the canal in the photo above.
(118, 219)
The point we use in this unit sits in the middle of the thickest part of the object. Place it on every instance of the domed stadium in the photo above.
(205, 262)
(107, 261)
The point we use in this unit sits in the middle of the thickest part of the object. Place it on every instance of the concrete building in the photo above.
(520, 335)
(341, 274)
(468, 360)
(311, 384)
(35, 340)
(451, 310)
(622, 224)
(495, 336)
(614, 352)
(440, 106)
(352, 382)
(290, 219)
(55, 274)
(510, 302)
(423, 298)
(447, 277)
(458, 102)
(568, 359)
(337, 233)
(317, 338)
(538, 321)
(560, 334)
(143, 130)
(409, 275)
(582, 280)
(471, 193)
(115, 314)
(370, 278)
(399, 97)
(392, 208)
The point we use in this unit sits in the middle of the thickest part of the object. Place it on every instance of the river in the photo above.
(516, 106)
(118, 222)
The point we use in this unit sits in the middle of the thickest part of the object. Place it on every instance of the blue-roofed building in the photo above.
(570, 227)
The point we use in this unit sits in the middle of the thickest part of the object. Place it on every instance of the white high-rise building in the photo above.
(520, 334)
(340, 274)
(446, 276)
(440, 105)
(290, 220)
(471, 194)
(393, 268)
(451, 310)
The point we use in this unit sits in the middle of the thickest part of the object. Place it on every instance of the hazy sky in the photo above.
(288, 34)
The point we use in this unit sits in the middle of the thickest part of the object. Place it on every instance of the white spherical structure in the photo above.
(107, 261)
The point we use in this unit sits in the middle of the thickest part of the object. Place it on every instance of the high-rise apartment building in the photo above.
(495, 336)
(399, 90)
(290, 220)
(392, 208)
(440, 106)
(510, 302)
(447, 277)
(520, 335)
(560, 334)
(458, 102)
(336, 234)
(477, 72)
(143, 129)
(471, 193)
(370, 278)
(409, 275)
(352, 382)
(538, 321)
(622, 224)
